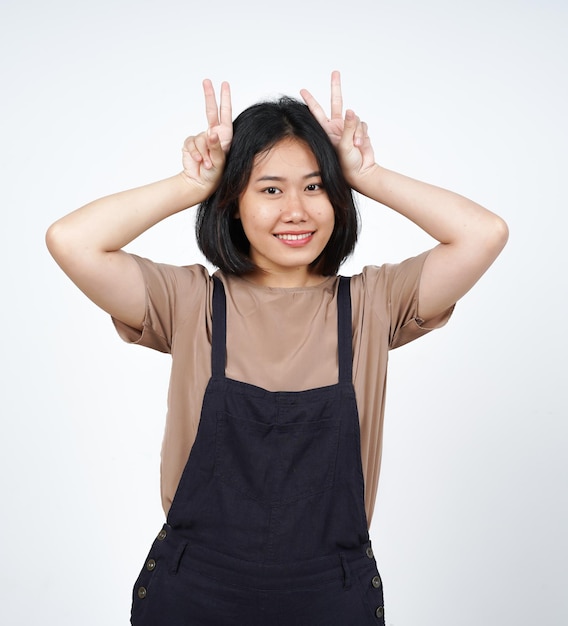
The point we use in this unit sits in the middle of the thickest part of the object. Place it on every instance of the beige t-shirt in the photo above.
(281, 339)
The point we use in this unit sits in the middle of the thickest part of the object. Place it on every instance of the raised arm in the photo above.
(470, 237)
(87, 244)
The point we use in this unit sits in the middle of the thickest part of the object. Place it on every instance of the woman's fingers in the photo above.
(201, 147)
(355, 131)
(215, 153)
(351, 127)
(333, 125)
(195, 147)
(211, 110)
(204, 154)
(219, 116)
(190, 148)
(225, 109)
(336, 96)
(360, 133)
(336, 101)
(315, 107)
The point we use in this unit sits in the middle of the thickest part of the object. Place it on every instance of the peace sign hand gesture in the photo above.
(333, 126)
(203, 155)
(348, 134)
(219, 119)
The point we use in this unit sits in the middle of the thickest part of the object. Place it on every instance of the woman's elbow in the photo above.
(498, 234)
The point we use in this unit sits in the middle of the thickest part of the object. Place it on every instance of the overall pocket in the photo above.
(276, 463)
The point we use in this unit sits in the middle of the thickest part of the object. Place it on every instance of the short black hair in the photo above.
(257, 129)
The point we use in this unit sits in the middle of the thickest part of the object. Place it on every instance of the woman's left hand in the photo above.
(348, 134)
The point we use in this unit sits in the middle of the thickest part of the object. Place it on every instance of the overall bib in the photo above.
(268, 524)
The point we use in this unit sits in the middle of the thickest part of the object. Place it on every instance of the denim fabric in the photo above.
(268, 523)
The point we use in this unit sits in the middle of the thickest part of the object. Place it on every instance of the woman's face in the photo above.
(286, 215)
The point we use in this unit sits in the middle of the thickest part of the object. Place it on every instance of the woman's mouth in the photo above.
(295, 239)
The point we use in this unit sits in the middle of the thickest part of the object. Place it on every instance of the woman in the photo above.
(278, 372)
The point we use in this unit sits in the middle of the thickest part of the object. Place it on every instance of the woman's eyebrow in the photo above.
(281, 178)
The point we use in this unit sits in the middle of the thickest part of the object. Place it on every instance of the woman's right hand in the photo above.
(203, 155)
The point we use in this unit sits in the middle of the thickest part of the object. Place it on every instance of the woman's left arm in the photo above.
(470, 237)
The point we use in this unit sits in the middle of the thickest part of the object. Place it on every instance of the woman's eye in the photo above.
(271, 190)
(314, 187)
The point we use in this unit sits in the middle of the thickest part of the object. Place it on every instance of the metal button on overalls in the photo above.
(268, 523)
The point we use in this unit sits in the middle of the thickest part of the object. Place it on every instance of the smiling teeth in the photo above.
(290, 237)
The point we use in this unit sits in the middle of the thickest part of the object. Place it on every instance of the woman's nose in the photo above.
(294, 210)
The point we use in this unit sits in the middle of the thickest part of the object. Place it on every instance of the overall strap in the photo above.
(344, 331)
(219, 330)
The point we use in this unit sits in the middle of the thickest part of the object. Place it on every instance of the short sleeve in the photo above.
(173, 294)
(393, 291)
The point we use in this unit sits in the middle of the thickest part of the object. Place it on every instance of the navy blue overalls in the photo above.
(268, 525)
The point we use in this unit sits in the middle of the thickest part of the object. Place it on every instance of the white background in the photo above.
(471, 522)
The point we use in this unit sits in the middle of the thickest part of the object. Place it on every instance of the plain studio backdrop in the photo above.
(471, 520)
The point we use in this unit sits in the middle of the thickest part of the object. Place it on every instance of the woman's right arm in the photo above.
(87, 244)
